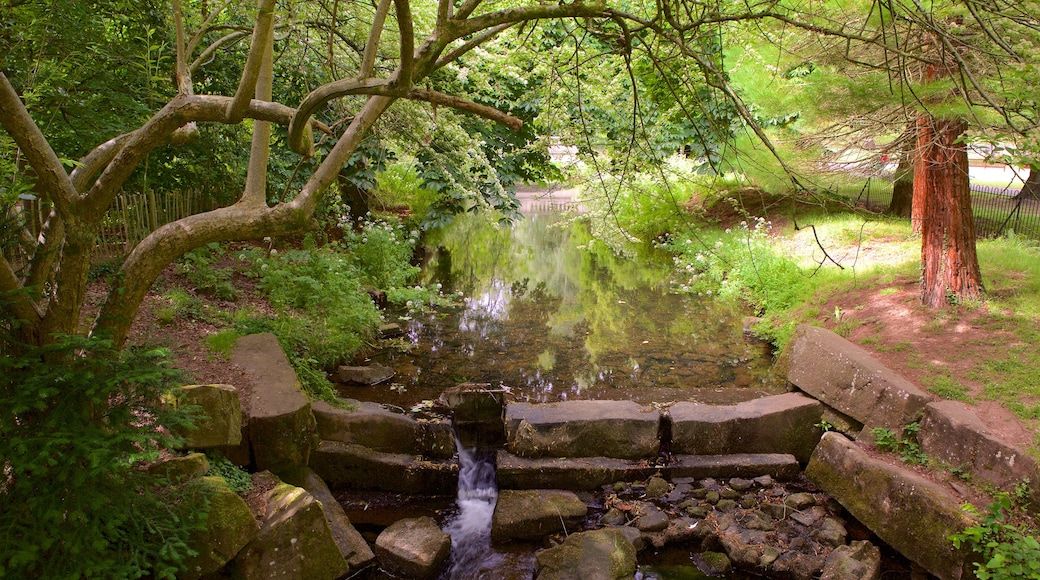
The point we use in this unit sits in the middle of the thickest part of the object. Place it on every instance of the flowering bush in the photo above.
(739, 262)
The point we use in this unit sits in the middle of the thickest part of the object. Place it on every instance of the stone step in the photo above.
(588, 473)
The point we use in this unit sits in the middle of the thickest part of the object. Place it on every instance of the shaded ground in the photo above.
(944, 352)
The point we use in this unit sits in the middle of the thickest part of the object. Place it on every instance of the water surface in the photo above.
(552, 314)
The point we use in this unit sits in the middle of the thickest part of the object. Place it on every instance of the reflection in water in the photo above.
(553, 315)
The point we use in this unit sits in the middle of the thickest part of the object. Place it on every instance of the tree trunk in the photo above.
(949, 266)
(1031, 188)
(903, 187)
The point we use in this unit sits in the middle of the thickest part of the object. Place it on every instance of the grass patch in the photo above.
(948, 388)
(1013, 381)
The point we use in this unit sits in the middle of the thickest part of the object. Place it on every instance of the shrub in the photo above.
(77, 421)
(739, 263)
(1008, 551)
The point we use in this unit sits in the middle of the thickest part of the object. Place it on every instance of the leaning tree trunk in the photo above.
(903, 187)
(1031, 188)
(949, 265)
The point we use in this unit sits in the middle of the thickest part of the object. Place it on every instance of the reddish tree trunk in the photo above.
(949, 265)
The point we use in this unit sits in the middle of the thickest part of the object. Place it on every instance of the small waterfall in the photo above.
(472, 556)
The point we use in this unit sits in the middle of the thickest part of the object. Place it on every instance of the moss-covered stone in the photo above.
(295, 541)
(910, 513)
(229, 527)
(181, 469)
(220, 424)
(535, 513)
(605, 553)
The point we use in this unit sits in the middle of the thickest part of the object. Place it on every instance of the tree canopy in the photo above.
(102, 96)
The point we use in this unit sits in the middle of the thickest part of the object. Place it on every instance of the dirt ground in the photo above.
(917, 342)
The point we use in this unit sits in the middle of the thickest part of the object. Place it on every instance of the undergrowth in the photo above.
(1008, 550)
(78, 421)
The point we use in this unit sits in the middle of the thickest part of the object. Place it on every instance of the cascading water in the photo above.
(472, 556)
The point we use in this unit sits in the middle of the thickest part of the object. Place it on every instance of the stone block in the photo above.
(605, 554)
(910, 513)
(620, 429)
(846, 377)
(220, 420)
(352, 546)
(574, 473)
(295, 541)
(535, 513)
(777, 424)
(281, 426)
(229, 527)
(355, 466)
(952, 433)
(413, 548)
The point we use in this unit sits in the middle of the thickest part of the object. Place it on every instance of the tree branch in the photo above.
(207, 55)
(472, 43)
(404, 26)
(19, 124)
(262, 36)
(297, 140)
(182, 76)
(203, 28)
(255, 193)
(466, 105)
(368, 60)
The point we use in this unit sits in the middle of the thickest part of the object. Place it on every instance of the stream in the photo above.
(549, 313)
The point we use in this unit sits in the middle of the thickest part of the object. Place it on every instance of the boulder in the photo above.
(230, 525)
(605, 554)
(777, 424)
(364, 375)
(846, 377)
(952, 433)
(181, 469)
(910, 513)
(358, 467)
(281, 425)
(857, 561)
(535, 513)
(220, 421)
(413, 548)
(295, 540)
(620, 429)
(354, 549)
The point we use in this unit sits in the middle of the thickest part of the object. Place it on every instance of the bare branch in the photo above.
(197, 38)
(255, 192)
(472, 43)
(466, 9)
(404, 26)
(207, 55)
(368, 60)
(318, 97)
(19, 124)
(466, 105)
(445, 9)
(262, 36)
(182, 76)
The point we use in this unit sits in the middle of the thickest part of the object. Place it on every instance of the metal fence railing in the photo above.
(997, 210)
